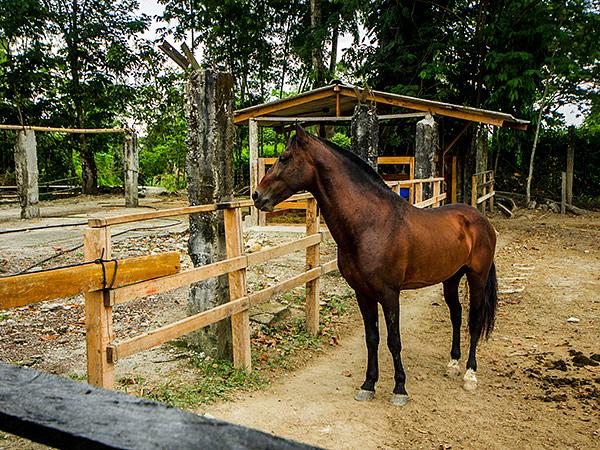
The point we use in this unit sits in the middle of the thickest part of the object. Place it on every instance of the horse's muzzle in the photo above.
(262, 203)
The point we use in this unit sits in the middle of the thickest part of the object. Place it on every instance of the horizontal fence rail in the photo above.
(484, 182)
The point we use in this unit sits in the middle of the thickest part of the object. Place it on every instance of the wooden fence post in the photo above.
(240, 322)
(312, 261)
(474, 191)
(484, 191)
(492, 181)
(437, 187)
(255, 176)
(98, 317)
(418, 193)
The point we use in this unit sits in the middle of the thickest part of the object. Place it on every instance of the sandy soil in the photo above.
(539, 379)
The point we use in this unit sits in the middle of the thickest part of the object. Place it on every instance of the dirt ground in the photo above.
(539, 374)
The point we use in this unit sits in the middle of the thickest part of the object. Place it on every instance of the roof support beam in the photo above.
(432, 109)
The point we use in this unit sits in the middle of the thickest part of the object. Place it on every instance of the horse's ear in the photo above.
(301, 135)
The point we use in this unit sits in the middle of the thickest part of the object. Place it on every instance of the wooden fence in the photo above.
(483, 182)
(106, 283)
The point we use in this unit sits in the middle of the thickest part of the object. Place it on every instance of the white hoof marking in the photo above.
(363, 396)
(453, 368)
(470, 380)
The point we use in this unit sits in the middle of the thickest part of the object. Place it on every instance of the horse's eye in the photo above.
(283, 158)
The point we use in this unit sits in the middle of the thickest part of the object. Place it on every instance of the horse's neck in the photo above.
(344, 203)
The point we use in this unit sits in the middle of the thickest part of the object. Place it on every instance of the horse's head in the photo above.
(293, 171)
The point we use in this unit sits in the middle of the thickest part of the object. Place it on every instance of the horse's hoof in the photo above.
(399, 399)
(453, 369)
(364, 396)
(470, 380)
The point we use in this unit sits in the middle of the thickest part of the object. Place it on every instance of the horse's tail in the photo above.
(490, 303)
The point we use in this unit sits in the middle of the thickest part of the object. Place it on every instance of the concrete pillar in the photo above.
(209, 172)
(365, 134)
(427, 144)
(131, 167)
(27, 174)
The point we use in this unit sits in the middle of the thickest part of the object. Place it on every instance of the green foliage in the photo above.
(342, 140)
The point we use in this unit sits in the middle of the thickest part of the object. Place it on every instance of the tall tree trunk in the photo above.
(335, 34)
(316, 52)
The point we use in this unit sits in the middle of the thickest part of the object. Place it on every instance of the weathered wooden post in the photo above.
(365, 134)
(209, 172)
(474, 191)
(312, 261)
(131, 168)
(26, 171)
(427, 143)
(98, 316)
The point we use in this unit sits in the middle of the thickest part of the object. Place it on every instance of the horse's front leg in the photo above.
(368, 309)
(391, 311)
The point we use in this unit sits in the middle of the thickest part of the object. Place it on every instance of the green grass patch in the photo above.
(217, 380)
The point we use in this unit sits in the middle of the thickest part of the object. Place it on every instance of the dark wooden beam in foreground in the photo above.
(66, 414)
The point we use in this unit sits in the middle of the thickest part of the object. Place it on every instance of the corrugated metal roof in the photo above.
(340, 99)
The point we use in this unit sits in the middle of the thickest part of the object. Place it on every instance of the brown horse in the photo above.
(386, 245)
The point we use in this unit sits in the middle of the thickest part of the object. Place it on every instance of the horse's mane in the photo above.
(359, 166)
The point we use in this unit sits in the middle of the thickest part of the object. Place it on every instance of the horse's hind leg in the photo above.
(476, 290)
(453, 302)
(369, 311)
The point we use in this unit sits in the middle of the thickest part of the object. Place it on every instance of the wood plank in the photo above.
(171, 212)
(240, 322)
(190, 56)
(283, 249)
(431, 201)
(262, 216)
(172, 53)
(291, 205)
(68, 130)
(382, 160)
(66, 414)
(164, 284)
(474, 191)
(312, 261)
(329, 267)
(24, 289)
(483, 198)
(295, 281)
(176, 329)
(98, 318)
